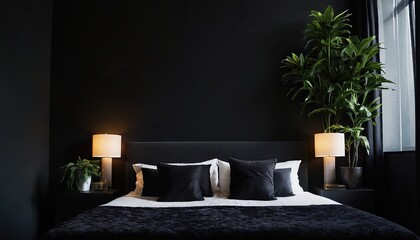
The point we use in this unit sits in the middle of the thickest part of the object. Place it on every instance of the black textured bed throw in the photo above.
(288, 222)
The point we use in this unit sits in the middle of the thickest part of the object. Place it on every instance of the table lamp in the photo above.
(106, 146)
(329, 146)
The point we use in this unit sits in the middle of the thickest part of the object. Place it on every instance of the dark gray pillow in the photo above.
(151, 182)
(180, 183)
(252, 180)
(282, 183)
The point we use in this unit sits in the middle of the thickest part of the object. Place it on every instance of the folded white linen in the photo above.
(299, 199)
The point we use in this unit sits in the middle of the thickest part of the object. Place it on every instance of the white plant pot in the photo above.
(84, 186)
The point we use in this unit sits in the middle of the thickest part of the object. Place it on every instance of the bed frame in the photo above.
(155, 152)
(225, 222)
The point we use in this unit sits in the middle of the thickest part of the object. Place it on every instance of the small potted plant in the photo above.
(80, 173)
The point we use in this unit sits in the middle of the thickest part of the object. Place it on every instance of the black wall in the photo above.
(174, 70)
(149, 70)
(401, 200)
(25, 30)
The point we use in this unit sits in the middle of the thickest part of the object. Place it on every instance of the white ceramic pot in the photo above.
(84, 186)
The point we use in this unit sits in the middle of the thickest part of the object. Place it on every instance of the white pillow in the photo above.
(139, 176)
(294, 177)
(224, 178)
(214, 175)
(224, 174)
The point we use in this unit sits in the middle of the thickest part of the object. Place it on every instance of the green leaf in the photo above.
(335, 76)
(81, 169)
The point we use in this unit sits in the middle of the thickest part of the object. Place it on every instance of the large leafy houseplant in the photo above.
(336, 75)
(79, 171)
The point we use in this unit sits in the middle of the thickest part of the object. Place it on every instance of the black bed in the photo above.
(225, 222)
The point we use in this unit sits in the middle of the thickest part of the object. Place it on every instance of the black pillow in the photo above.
(205, 181)
(180, 183)
(282, 183)
(151, 184)
(252, 180)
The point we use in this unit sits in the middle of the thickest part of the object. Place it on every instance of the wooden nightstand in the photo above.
(362, 198)
(70, 203)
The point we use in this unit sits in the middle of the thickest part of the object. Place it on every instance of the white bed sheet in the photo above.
(300, 199)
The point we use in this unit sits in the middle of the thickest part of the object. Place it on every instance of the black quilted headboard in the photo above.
(155, 152)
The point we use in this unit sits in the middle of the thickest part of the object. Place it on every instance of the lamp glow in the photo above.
(329, 146)
(106, 146)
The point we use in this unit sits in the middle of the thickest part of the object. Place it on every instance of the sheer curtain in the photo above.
(397, 34)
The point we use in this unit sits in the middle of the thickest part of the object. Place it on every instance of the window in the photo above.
(397, 34)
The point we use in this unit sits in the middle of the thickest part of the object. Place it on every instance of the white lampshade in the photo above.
(106, 145)
(329, 145)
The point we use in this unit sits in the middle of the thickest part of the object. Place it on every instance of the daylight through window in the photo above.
(397, 34)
